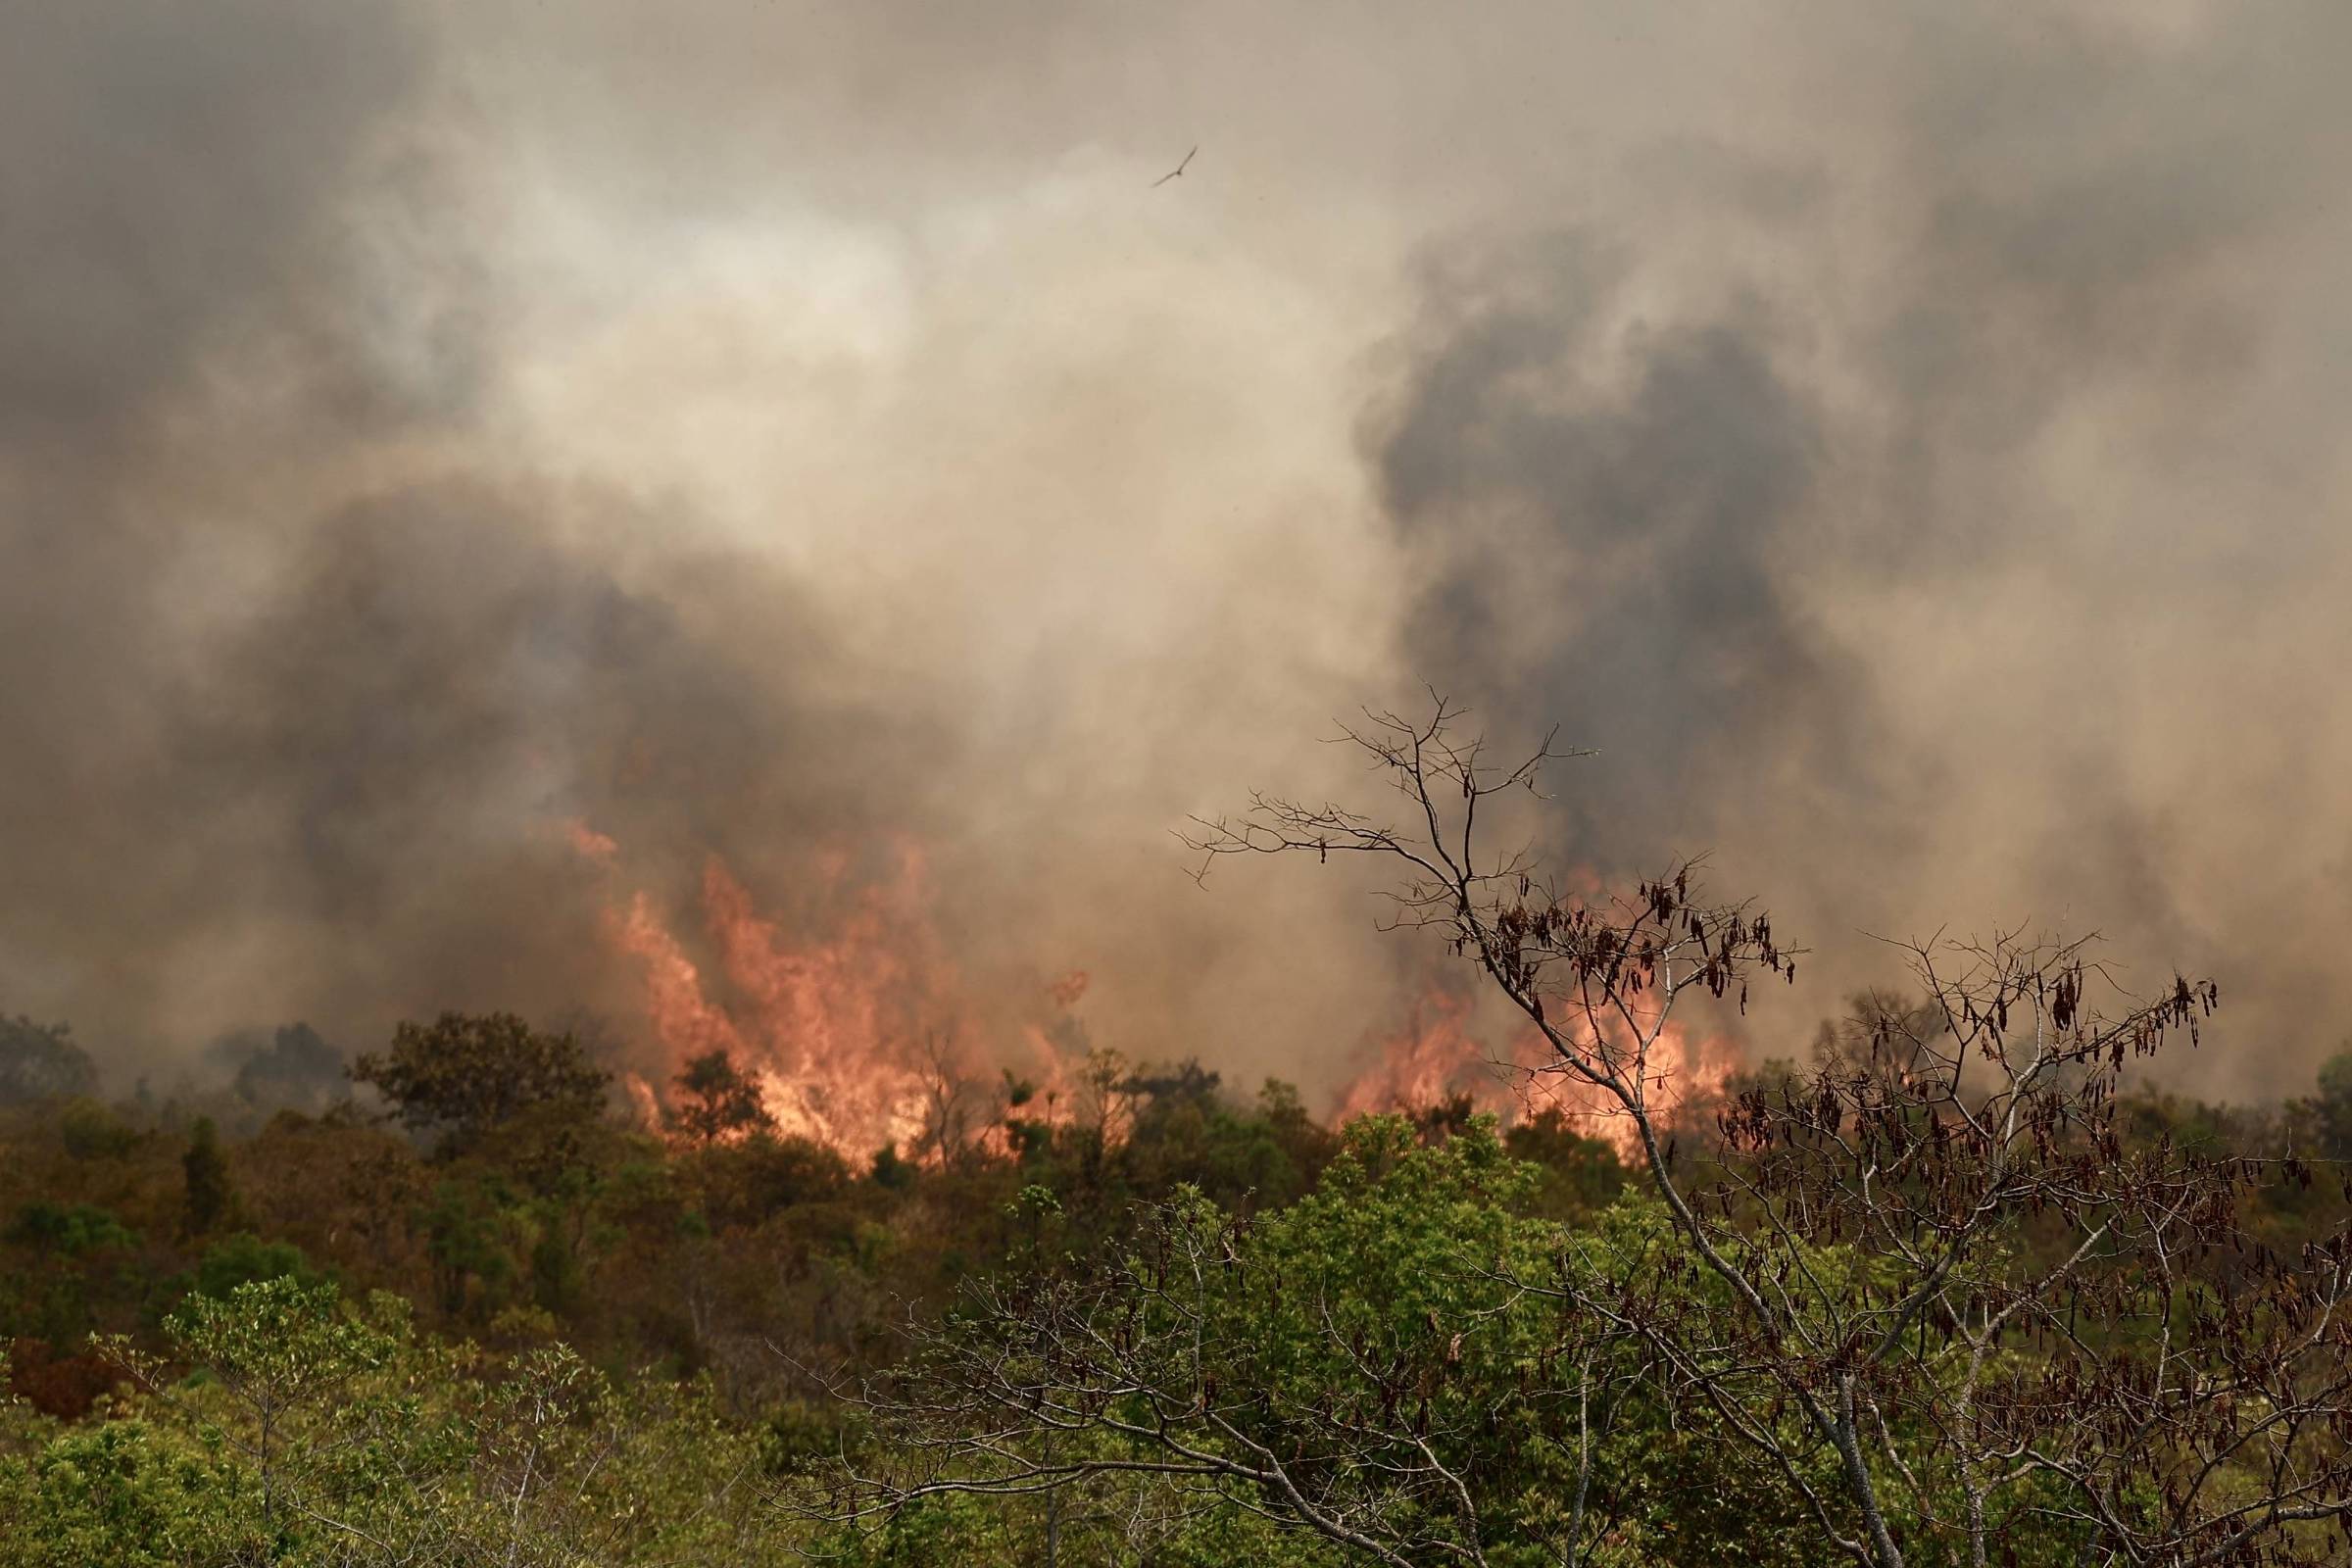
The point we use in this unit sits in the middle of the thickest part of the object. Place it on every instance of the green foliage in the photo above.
(800, 1433)
(717, 1099)
(90, 1131)
(1373, 1357)
(464, 1238)
(68, 1229)
(296, 1069)
(623, 1399)
(40, 1061)
(558, 1278)
(889, 1170)
(2332, 1107)
(1394, 1296)
(746, 1182)
(206, 1196)
(129, 1494)
(1581, 1175)
(277, 1343)
(311, 1435)
(238, 1260)
(74, 1254)
(1102, 1523)
(466, 1073)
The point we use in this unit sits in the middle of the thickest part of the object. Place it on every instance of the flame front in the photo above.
(856, 1040)
(865, 1037)
(1436, 1059)
(1433, 1059)
(831, 1029)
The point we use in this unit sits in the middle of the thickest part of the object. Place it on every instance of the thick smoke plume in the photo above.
(1903, 441)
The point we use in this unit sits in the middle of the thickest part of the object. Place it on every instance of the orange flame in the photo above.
(589, 843)
(1436, 1057)
(1433, 1059)
(856, 1040)
(642, 1103)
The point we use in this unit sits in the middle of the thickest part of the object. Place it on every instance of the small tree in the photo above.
(297, 1068)
(208, 1197)
(40, 1061)
(90, 1131)
(326, 1433)
(281, 1353)
(467, 1073)
(717, 1099)
(2331, 1110)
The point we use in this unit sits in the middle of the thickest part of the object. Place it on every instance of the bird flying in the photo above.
(1173, 172)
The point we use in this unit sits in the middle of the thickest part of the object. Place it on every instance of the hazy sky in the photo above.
(1905, 440)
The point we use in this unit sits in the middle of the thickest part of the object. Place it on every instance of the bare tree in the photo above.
(1961, 1304)
(951, 1099)
(1952, 1307)
(2062, 1325)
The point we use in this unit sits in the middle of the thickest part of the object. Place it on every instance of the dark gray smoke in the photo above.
(1943, 540)
(296, 720)
(1621, 557)
(1903, 439)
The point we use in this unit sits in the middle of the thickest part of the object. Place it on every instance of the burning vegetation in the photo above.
(1600, 1295)
(1437, 1060)
(867, 1035)
(657, 577)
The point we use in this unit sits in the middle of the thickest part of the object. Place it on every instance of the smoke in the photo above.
(1613, 554)
(1931, 509)
(1901, 441)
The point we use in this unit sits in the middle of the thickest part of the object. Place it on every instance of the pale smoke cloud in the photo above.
(1903, 441)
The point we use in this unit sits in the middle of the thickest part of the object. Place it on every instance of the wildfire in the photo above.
(590, 845)
(867, 1035)
(1436, 1057)
(1433, 1059)
(857, 1039)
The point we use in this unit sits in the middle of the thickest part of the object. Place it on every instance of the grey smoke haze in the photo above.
(1903, 441)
